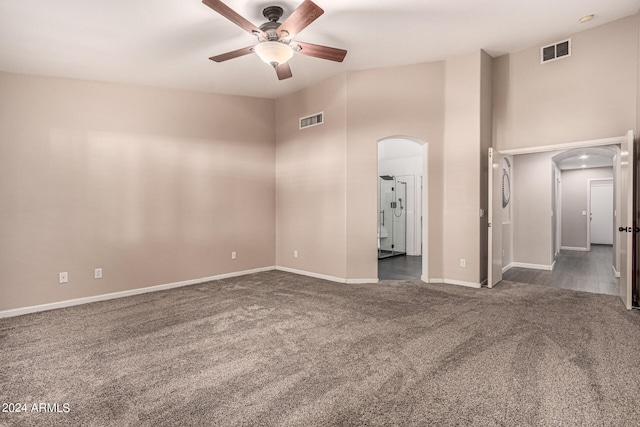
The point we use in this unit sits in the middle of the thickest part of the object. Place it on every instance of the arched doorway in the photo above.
(402, 209)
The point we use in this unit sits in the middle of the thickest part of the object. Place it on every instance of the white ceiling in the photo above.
(167, 43)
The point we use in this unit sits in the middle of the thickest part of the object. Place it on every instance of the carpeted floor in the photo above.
(280, 349)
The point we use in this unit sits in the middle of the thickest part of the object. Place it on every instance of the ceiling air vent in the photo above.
(555, 51)
(312, 120)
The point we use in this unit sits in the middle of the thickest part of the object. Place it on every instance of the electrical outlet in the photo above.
(63, 277)
(295, 254)
(97, 273)
(463, 262)
(233, 255)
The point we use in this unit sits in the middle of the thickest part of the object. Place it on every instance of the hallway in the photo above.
(579, 271)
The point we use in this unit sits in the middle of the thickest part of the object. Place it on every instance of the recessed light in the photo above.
(583, 166)
(584, 156)
(585, 18)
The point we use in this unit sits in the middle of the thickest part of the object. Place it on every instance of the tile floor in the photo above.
(579, 271)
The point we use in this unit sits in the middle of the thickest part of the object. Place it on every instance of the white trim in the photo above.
(425, 198)
(361, 281)
(457, 282)
(312, 274)
(573, 248)
(507, 268)
(532, 266)
(128, 293)
(616, 273)
(564, 146)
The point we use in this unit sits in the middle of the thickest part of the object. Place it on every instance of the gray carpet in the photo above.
(280, 349)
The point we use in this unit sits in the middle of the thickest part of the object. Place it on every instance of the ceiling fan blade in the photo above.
(318, 51)
(304, 15)
(234, 17)
(283, 71)
(233, 54)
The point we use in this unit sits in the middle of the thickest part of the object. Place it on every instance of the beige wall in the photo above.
(154, 186)
(589, 95)
(399, 101)
(157, 186)
(310, 183)
(575, 188)
(531, 196)
(462, 161)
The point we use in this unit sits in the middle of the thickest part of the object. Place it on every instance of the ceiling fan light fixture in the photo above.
(273, 52)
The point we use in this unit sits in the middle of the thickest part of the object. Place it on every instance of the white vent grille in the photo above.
(555, 51)
(312, 120)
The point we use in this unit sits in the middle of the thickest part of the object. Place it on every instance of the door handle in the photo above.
(623, 229)
(629, 229)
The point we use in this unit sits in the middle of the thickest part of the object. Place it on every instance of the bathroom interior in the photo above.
(399, 209)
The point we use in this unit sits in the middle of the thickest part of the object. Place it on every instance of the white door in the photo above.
(494, 268)
(601, 212)
(626, 230)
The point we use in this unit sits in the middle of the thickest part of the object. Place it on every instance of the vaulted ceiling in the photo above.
(167, 43)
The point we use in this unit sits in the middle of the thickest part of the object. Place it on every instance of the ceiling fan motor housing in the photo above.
(272, 13)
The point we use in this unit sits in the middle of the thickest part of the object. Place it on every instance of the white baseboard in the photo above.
(507, 268)
(532, 266)
(572, 248)
(456, 282)
(616, 273)
(122, 294)
(312, 274)
(326, 277)
(361, 281)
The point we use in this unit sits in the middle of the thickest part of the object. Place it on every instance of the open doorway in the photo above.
(574, 261)
(586, 260)
(401, 162)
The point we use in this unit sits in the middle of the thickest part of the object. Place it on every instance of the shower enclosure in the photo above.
(392, 218)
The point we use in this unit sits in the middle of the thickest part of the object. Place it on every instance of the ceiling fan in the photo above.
(275, 45)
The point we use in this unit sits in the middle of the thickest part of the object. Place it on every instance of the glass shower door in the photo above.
(391, 217)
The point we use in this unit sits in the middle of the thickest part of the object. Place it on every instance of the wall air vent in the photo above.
(312, 120)
(555, 51)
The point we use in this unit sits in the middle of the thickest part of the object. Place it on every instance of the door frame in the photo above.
(494, 219)
(424, 199)
(558, 213)
(617, 140)
(590, 183)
